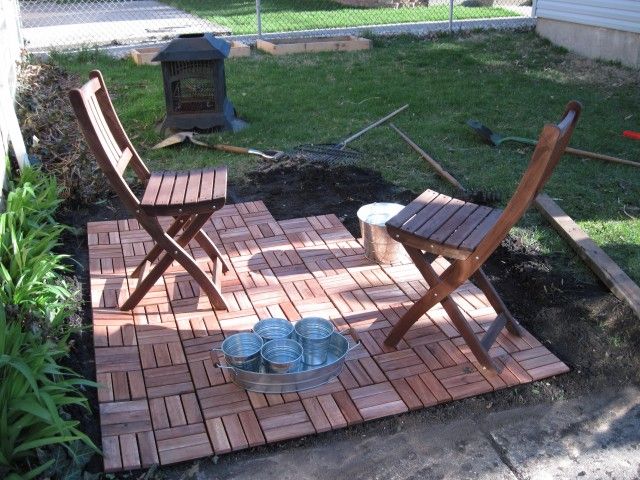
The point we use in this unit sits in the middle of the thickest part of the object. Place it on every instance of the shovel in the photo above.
(181, 137)
(495, 139)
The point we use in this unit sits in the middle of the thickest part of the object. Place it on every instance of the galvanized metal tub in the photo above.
(314, 334)
(307, 377)
(242, 350)
(378, 245)
(273, 328)
(281, 355)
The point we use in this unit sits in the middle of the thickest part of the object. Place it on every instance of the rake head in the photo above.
(325, 153)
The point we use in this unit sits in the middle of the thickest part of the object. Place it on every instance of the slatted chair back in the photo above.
(550, 148)
(106, 138)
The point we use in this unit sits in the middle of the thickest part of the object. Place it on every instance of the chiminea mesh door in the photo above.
(195, 91)
(192, 86)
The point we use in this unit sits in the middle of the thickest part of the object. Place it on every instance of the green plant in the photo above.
(34, 390)
(33, 288)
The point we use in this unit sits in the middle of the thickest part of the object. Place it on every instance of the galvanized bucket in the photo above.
(378, 245)
(242, 350)
(314, 334)
(273, 328)
(282, 355)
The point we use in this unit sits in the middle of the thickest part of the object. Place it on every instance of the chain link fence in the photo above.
(67, 24)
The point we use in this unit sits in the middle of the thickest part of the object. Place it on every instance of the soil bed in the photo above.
(582, 323)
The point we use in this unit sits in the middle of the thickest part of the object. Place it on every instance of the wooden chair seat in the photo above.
(466, 233)
(443, 225)
(196, 191)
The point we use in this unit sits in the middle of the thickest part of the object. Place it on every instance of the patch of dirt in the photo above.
(52, 134)
(295, 189)
(582, 69)
(582, 323)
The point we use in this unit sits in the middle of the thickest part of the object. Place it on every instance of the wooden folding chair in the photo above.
(467, 234)
(190, 197)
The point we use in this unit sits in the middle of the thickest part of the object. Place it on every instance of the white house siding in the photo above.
(10, 50)
(614, 14)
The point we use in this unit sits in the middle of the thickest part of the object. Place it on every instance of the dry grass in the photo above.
(49, 126)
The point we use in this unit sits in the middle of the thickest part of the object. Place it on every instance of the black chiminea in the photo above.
(194, 84)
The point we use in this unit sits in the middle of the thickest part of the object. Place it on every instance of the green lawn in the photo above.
(513, 82)
(290, 15)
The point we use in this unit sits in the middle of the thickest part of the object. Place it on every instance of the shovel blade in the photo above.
(485, 132)
(174, 139)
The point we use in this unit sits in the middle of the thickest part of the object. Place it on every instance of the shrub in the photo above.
(33, 289)
(34, 390)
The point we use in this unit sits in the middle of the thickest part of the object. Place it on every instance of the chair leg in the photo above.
(482, 281)
(210, 249)
(156, 250)
(440, 288)
(175, 251)
(201, 237)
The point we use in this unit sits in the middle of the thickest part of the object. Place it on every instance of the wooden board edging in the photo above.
(348, 43)
(598, 261)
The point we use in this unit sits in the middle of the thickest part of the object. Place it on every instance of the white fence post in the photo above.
(259, 17)
(11, 41)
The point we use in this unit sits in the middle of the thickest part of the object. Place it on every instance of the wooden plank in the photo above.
(111, 454)
(130, 454)
(332, 411)
(300, 45)
(193, 187)
(316, 414)
(598, 261)
(480, 232)
(423, 216)
(465, 228)
(218, 436)
(407, 394)
(436, 221)
(179, 188)
(251, 428)
(413, 208)
(147, 447)
(206, 185)
(450, 226)
(425, 395)
(235, 434)
(166, 188)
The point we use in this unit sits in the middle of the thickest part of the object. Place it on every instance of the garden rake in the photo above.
(337, 153)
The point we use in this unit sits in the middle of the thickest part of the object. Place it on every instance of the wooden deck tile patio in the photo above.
(162, 398)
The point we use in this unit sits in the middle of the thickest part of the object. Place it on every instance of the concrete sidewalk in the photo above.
(595, 437)
(73, 24)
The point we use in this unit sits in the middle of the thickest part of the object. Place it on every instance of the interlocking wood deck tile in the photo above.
(179, 444)
(378, 400)
(162, 398)
(285, 421)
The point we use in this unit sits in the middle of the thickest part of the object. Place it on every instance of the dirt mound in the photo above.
(299, 189)
(51, 131)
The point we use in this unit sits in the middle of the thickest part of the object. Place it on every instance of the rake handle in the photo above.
(436, 166)
(577, 152)
(599, 156)
(350, 139)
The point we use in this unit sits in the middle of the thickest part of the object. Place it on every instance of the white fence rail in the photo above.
(72, 24)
